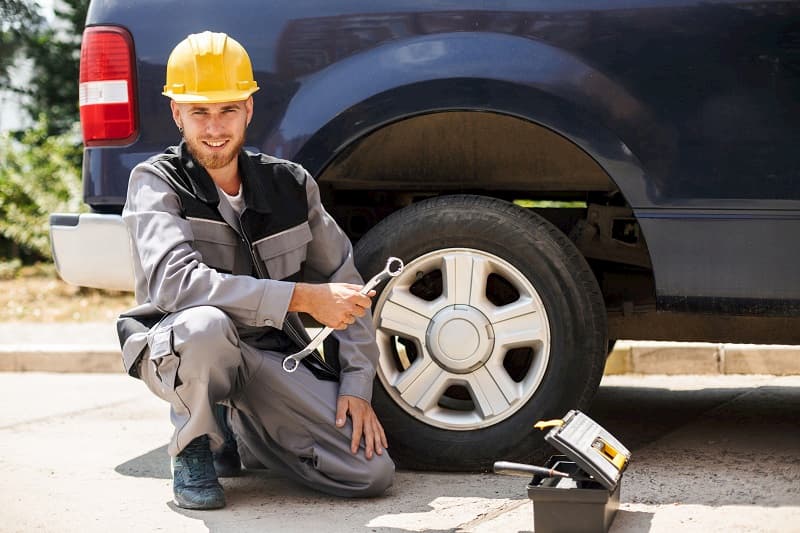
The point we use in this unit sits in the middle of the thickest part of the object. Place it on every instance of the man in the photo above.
(222, 238)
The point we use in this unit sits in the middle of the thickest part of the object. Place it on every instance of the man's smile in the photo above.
(215, 144)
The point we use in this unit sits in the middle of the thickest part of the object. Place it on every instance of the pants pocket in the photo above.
(162, 354)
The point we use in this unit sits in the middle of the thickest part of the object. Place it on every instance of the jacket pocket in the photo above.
(216, 242)
(284, 253)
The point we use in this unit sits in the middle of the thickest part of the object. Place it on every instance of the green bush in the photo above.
(40, 175)
(9, 269)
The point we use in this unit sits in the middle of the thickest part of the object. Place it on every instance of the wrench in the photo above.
(394, 266)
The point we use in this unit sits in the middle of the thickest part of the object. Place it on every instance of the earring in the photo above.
(180, 129)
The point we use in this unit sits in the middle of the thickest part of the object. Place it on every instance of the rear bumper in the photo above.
(92, 250)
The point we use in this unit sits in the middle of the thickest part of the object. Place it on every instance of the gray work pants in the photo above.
(195, 360)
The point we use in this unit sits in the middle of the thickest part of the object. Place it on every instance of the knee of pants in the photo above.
(205, 336)
(379, 475)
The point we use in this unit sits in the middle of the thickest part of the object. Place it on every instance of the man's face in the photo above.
(214, 132)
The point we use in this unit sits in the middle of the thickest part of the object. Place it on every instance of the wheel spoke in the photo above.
(481, 268)
(457, 278)
(403, 321)
(510, 389)
(523, 306)
(401, 296)
(491, 392)
(521, 330)
(422, 385)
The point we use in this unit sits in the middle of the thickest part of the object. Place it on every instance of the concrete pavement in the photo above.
(713, 452)
(93, 347)
(86, 452)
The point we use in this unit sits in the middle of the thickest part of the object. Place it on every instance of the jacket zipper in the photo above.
(288, 327)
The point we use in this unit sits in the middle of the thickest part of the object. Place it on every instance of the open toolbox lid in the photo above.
(593, 449)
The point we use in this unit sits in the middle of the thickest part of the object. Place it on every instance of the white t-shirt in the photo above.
(237, 202)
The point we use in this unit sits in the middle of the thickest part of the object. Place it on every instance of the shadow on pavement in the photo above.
(632, 521)
(713, 446)
(416, 502)
(154, 464)
(638, 416)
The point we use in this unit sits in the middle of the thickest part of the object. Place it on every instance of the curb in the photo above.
(672, 358)
(628, 357)
(65, 358)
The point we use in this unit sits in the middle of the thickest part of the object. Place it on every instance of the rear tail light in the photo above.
(107, 81)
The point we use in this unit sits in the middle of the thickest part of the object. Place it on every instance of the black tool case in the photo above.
(587, 500)
(572, 505)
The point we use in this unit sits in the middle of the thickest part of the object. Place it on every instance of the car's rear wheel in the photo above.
(495, 322)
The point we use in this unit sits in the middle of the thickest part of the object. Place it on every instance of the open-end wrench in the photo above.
(393, 268)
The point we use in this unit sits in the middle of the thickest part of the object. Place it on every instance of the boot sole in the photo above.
(195, 506)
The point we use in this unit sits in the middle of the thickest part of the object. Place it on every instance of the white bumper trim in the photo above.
(92, 250)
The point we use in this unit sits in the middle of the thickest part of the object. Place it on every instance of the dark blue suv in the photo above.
(555, 174)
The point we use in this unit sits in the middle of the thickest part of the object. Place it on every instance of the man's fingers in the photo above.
(376, 432)
(362, 301)
(358, 426)
(341, 412)
(346, 321)
(369, 440)
(365, 424)
(382, 434)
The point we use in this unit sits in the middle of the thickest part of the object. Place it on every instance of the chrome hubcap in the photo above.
(460, 338)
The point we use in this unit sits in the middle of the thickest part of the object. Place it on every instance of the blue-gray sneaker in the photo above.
(194, 481)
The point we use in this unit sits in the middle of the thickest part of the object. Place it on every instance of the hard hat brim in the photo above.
(212, 97)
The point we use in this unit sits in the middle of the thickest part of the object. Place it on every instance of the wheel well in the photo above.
(504, 157)
(465, 150)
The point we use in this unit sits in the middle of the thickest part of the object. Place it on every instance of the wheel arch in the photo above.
(540, 125)
(335, 109)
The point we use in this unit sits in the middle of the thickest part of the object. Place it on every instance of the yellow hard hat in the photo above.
(209, 68)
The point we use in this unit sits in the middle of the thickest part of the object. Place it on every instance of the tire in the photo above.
(466, 369)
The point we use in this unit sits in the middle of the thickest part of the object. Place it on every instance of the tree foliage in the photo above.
(38, 177)
(40, 173)
(17, 19)
(55, 52)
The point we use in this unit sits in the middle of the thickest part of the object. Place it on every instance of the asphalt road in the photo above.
(87, 453)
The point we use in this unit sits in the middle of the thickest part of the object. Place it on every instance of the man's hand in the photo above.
(365, 422)
(336, 305)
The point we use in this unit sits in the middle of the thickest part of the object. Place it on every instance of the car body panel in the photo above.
(692, 109)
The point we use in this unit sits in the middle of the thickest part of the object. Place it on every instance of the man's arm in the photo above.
(330, 257)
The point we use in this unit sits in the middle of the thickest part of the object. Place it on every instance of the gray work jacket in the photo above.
(192, 249)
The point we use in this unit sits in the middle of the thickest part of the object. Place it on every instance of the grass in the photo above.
(36, 294)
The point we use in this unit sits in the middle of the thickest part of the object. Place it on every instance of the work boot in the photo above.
(227, 462)
(194, 481)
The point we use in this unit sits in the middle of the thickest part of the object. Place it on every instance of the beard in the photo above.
(215, 160)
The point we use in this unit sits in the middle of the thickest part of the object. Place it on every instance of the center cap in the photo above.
(460, 338)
